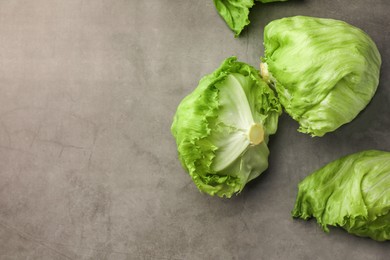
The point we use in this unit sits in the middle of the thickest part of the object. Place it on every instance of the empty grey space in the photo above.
(88, 167)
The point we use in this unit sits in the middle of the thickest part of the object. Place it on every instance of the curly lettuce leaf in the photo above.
(352, 192)
(325, 71)
(213, 128)
(236, 12)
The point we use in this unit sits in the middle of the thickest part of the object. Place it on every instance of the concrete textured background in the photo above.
(88, 167)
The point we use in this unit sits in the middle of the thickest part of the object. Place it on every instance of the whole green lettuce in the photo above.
(222, 128)
(325, 71)
(236, 12)
(352, 192)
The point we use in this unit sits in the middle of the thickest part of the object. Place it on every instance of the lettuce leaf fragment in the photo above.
(236, 12)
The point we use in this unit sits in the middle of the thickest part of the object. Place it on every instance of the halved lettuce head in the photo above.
(352, 192)
(222, 128)
(325, 71)
(236, 12)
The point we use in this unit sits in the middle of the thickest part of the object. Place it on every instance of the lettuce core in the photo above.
(256, 134)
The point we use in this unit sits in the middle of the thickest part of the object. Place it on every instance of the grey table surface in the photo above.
(88, 167)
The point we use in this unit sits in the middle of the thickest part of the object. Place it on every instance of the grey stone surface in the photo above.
(88, 167)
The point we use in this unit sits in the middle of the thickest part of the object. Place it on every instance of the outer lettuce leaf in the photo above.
(236, 12)
(211, 128)
(352, 192)
(325, 71)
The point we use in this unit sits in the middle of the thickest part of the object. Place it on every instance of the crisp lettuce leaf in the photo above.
(212, 128)
(236, 12)
(325, 71)
(352, 192)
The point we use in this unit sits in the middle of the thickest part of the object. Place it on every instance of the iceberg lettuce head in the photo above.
(222, 128)
(352, 192)
(325, 71)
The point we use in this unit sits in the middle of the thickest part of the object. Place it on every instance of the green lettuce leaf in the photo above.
(352, 192)
(236, 12)
(325, 71)
(222, 128)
